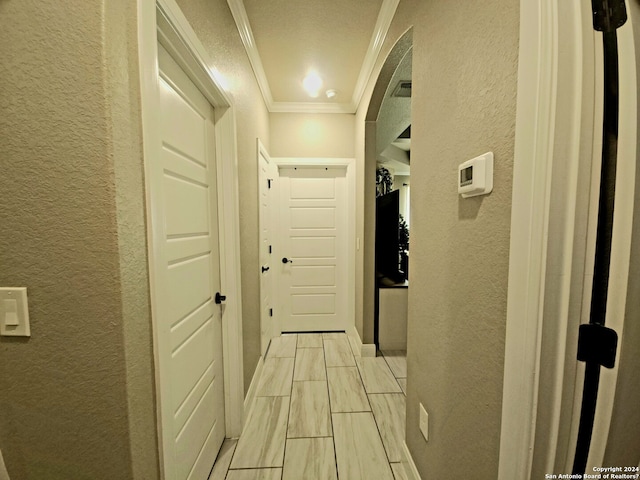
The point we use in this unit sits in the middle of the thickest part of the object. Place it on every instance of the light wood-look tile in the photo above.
(377, 376)
(309, 365)
(398, 471)
(262, 441)
(309, 415)
(276, 378)
(333, 335)
(284, 346)
(255, 474)
(309, 459)
(338, 352)
(346, 391)
(309, 340)
(223, 460)
(355, 349)
(403, 384)
(389, 411)
(359, 451)
(397, 360)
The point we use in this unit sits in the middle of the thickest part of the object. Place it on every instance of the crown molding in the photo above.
(311, 107)
(387, 11)
(246, 34)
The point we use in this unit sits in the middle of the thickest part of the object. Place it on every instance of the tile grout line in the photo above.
(333, 430)
(286, 432)
(393, 373)
(374, 416)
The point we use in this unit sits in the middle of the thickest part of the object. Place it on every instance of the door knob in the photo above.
(219, 298)
(286, 260)
(265, 269)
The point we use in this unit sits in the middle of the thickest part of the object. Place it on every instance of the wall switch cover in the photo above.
(14, 312)
(424, 423)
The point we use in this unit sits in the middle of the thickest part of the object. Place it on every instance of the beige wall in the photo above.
(214, 26)
(312, 135)
(77, 397)
(464, 97)
(393, 51)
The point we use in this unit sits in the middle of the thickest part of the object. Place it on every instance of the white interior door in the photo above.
(189, 336)
(265, 191)
(313, 244)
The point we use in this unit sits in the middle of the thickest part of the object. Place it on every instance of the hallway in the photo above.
(321, 412)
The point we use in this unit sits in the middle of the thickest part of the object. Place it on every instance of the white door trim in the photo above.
(267, 325)
(555, 130)
(533, 162)
(349, 164)
(163, 21)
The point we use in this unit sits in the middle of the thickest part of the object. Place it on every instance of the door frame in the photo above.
(163, 21)
(349, 164)
(271, 332)
(550, 220)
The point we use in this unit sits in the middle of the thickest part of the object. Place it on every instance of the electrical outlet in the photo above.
(424, 423)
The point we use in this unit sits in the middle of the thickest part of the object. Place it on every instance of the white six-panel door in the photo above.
(190, 345)
(313, 239)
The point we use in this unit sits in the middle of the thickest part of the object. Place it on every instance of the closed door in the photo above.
(190, 354)
(265, 183)
(313, 240)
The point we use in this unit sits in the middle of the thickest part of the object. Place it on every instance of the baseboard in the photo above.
(249, 400)
(410, 469)
(394, 346)
(366, 349)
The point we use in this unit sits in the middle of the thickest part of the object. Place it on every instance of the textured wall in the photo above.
(120, 65)
(395, 112)
(623, 447)
(214, 26)
(312, 135)
(64, 407)
(398, 42)
(464, 99)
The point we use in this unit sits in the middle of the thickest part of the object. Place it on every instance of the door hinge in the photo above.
(608, 15)
(271, 312)
(597, 344)
(269, 180)
(269, 248)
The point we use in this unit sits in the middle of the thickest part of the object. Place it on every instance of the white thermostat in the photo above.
(475, 176)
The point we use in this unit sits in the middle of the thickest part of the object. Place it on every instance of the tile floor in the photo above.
(321, 412)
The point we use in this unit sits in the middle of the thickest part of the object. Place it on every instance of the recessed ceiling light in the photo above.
(331, 93)
(312, 84)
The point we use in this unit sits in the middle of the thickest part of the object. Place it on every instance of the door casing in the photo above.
(266, 187)
(556, 147)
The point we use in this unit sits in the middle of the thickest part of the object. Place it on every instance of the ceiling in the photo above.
(287, 39)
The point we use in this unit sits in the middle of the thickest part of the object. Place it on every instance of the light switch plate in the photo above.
(14, 312)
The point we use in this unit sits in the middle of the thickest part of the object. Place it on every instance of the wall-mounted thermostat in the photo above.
(475, 176)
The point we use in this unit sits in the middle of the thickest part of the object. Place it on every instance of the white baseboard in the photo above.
(249, 400)
(409, 466)
(366, 349)
(394, 346)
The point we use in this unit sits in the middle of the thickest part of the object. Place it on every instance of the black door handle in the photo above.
(219, 298)
(286, 260)
(265, 269)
